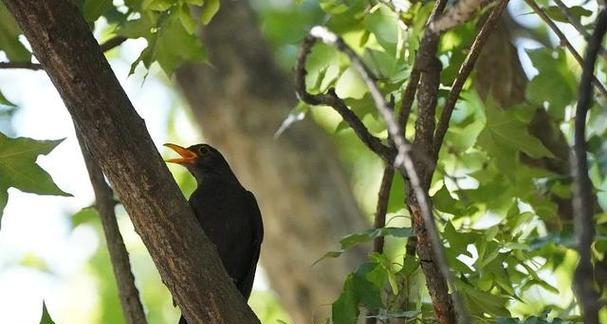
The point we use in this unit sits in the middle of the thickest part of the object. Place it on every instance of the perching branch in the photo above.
(563, 39)
(106, 46)
(583, 198)
(119, 142)
(463, 73)
(104, 203)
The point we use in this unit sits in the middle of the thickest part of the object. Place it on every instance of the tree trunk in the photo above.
(240, 100)
(119, 142)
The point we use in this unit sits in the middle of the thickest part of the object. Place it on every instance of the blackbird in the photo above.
(227, 212)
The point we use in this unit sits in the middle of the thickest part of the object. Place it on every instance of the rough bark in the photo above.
(240, 100)
(119, 142)
(104, 203)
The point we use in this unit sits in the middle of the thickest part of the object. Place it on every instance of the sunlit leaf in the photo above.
(297, 114)
(5, 102)
(208, 11)
(351, 240)
(18, 168)
(186, 19)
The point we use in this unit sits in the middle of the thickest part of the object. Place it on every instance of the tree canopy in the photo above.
(457, 124)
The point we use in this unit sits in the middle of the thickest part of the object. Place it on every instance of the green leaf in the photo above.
(5, 102)
(576, 11)
(84, 215)
(208, 11)
(93, 9)
(195, 2)
(161, 5)
(368, 285)
(138, 27)
(186, 19)
(46, 317)
(175, 46)
(354, 239)
(334, 7)
(505, 134)
(482, 302)
(382, 22)
(9, 38)
(555, 86)
(18, 168)
(345, 309)
(350, 84)
(171, 45)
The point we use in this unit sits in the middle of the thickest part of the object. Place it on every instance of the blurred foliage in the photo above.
(492, 209)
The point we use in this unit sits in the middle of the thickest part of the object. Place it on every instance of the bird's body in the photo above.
(227, 212)
(230, 218)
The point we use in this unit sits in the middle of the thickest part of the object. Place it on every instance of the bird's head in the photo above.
(203, 161)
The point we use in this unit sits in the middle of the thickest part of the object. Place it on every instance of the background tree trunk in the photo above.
(304, 194)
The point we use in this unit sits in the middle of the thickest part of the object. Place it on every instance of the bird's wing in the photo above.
(246, 284)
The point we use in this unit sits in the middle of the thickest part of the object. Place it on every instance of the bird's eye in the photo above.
(203, 150)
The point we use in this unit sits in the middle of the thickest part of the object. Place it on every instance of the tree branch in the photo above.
(583, 198)
(463, 73)
(20, 65)
(106, 46)
(403, 161)
(540, 12)
(380, 221)
(407, 100)
(332, 100)
(577, 25)
(119, 142)
(104, 203)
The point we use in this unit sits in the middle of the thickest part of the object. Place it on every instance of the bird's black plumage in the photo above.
(227, 212)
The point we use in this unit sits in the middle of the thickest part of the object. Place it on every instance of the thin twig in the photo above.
(332, 100)
(464, 71)
(577, 25)
(583, 198)
(20, 65)
(407, 100)
(129, 295)
(380, 221)
(563, 39)
(106, 46)
(382, 206)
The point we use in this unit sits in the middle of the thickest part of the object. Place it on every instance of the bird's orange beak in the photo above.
(187, 156)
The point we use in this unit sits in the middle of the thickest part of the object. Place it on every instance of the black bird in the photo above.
(227, 212)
